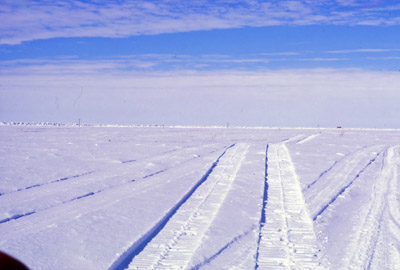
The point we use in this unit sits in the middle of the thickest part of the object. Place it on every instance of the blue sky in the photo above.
(273, 63)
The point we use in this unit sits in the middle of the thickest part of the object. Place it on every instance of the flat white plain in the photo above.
(200, 198)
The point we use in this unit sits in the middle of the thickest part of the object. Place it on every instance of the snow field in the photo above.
(154, 198)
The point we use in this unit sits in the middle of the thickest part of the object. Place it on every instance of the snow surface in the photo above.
(200, 198)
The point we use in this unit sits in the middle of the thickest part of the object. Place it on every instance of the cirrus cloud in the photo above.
(33, 19)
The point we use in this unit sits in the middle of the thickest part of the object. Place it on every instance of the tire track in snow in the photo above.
(287, 239)
(294, 139)
(308, 138)
(17, 216)
(343, 189)
(172, 245)
(235, 240)
(333, 166)
(128, 161)
(239, 213)
(264, 204)
(371, 248)
(24, 214)
(337, 177)
(125, 179)
(155, 157)
(183, 162)
(51, 182)
(184, 176)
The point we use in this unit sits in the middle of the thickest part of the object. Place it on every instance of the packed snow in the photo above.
(200, 198)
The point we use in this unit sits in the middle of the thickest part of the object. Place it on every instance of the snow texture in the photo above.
(200, 198)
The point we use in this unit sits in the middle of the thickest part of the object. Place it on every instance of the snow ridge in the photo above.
(322, 174)
(233, 241)
(309, 138)
(288, 240)
(264, 204)
(84, 185)
(337, 179)
(294, 139)
(370, 248)
(174, 247)
(333, 199)
(51, 182)
(333, 166)
(125, 259)
(17, 216)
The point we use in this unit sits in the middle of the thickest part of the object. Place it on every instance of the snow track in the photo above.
(332, 183)
(287, 237)
(235, 263)
(34, 222)
(371, 247)
(200, 199)
(33, 200)
(51, 182)
(264, 204)
(332, 167)
(342, 190)
(294, 139)
(231, 240)
(175, 245)
(308, 138)
(174, 157)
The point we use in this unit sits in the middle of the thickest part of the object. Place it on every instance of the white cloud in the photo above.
(363, 51)
(394, 7)
(66, 66)
(322, 59)
(239, 61)
(123, 63)
(281, 53)
(34, 19)
(385, 58)
(347, 2)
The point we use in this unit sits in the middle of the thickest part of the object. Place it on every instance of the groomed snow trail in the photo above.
(287, 239)
(371, 247)
(34, 200)
(175, 245)
(324, 191)
(308, 138)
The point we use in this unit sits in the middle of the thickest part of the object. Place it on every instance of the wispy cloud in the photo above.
(364, 51)
(322, 59)
(125, 64)
(34, 19)
(281, 53)
(63, 65)
(66, 64)
(385, 58)
(138, 62)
